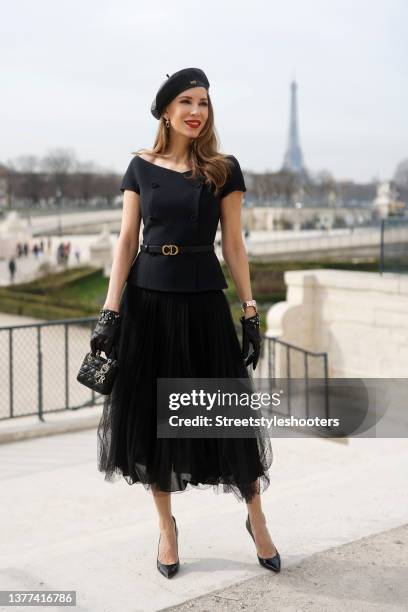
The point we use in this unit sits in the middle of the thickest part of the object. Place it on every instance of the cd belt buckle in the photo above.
(169, 249)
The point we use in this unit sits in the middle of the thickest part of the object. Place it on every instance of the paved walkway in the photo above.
(369, 574)
(69, 529)
(28, 268)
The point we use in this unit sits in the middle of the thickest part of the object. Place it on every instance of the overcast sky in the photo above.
(81, 74)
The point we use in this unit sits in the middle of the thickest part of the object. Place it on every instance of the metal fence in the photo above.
(38, 367)
(39, 363)
(305, 377)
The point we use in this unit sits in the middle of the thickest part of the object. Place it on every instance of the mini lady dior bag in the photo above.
(99, 373)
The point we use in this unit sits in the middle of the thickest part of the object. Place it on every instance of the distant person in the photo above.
(35, 250)
(66, 252)
(25, 249)
(12, 268)
(78, 254)
(60, 253)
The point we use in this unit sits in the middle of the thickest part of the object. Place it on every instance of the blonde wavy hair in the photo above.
(205, 159)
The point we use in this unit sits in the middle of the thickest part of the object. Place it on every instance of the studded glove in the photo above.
(251, 337)
(103, 336)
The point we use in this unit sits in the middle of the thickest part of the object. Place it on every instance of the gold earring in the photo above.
(167, 123)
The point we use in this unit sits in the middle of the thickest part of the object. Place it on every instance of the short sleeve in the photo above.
(235, 182)
(129, 180)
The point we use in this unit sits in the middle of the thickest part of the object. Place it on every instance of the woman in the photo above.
(173, 319)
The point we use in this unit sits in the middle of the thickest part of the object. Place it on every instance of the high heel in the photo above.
(272, 563)
(170, 569)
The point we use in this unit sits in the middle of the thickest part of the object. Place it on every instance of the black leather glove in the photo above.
(251, 337)
(103, 336)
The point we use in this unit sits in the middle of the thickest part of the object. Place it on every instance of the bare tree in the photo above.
(85, 181)
(31, 181)
(26, 163)
(324, 177)
(401, 173)
(59, 163)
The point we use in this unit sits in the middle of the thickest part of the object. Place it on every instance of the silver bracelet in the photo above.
(247, 304)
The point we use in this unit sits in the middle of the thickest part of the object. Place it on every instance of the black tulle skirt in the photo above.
(173, 334)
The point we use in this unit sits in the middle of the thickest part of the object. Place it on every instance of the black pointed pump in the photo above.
(272, 563)
(171, 569)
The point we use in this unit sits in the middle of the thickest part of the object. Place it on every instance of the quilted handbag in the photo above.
(97, 372)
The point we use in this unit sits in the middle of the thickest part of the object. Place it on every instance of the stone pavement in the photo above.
(368, 574)
(66, 528)
(28, 268)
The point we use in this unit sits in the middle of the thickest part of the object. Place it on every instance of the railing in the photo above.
(363, 241)
(39, 363)
(305, 374)
(38, 367)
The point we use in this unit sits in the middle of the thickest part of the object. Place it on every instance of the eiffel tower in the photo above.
(293, 160)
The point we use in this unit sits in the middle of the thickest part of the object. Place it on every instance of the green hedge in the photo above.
(54, 296)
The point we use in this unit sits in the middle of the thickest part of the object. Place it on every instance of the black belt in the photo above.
(174, 249)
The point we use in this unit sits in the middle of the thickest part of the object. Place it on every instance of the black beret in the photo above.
(175, 84)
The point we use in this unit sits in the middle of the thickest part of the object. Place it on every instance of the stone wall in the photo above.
(359, 318)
